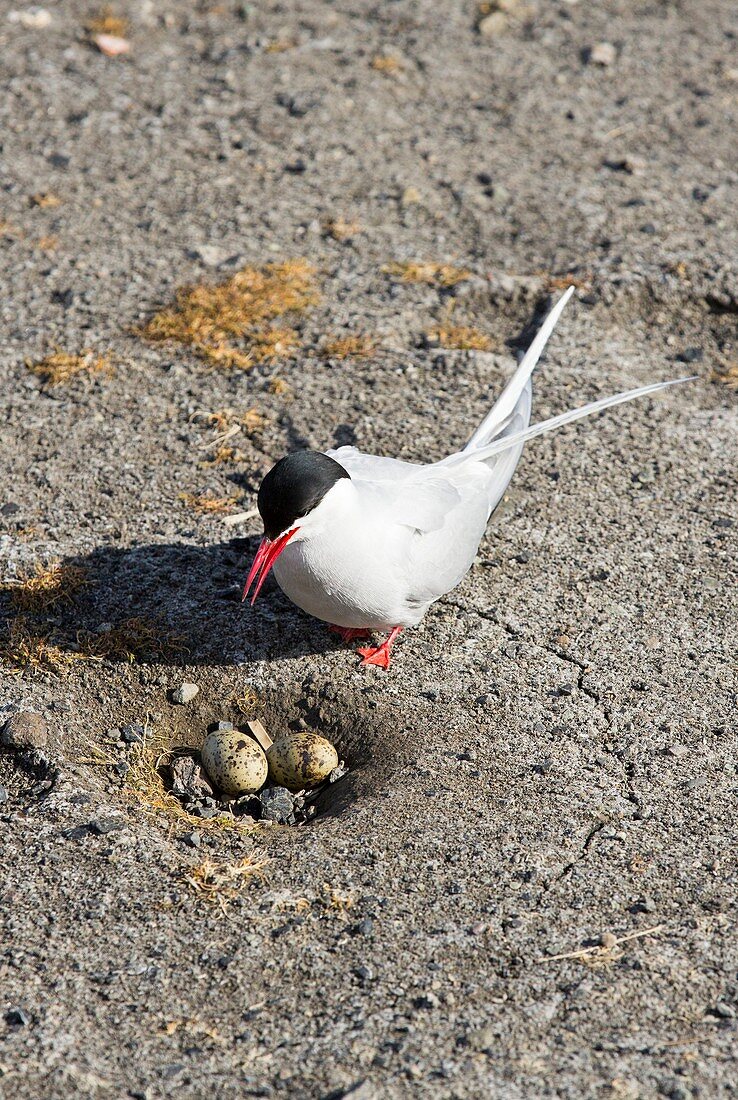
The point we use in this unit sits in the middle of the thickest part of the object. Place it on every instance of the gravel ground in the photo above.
(549, 765)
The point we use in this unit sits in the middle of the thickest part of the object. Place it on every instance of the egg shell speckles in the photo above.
(234, 761)
(301, 760)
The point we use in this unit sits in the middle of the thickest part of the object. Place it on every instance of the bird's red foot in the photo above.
(349, 633)
(380, 655)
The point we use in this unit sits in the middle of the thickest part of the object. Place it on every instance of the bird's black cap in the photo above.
(294, 487)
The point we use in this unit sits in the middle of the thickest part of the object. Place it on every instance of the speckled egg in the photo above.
(234, 762)
(301, 760)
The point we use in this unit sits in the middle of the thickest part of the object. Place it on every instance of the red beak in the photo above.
(268, 552)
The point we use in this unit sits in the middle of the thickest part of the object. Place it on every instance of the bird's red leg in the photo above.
(381, 654)
(349, 633)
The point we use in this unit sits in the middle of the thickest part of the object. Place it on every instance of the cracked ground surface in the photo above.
(552, 757)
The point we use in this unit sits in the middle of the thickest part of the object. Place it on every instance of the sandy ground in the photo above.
(552, 756)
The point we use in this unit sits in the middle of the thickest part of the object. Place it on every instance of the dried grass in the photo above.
(206, 505)
(460, 338)
(246, 702)
(275, 343)
(145, 784)
(386, 64)
(220, 883)
(107, 22)
(134, 639)
(224, 456)
(45, 586)
(279, 387)
(563, 282)
(355, 346)
(605, 954)
(227, 421)
(340, 229)
(335, 901)
(22, 650)
(48, 244)
(209, 318)
(59, 367)
(45, 200)
(726, 376)
(433, 274)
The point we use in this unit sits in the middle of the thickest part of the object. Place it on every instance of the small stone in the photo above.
(37, 19)
(484, 1038)
(362, 1090)
(10, 509)
(188, 780)
(411, 196)
(276, 805)
(603, 53)
(337, 773)
(121, 769)
(724, 1010)
(608, 940)
(24, 730)
(691, 355)
(101, 826)
(132, 734)
(218, 727)
(185, 693)
(493, 25)
(3, 795)
(16, 1017)
(193, 839)
(211, 255)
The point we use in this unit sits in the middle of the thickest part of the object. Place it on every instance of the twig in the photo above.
(588, 952)
(240, 517)
(218, 439)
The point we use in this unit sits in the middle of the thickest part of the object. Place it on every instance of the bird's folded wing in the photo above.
(410, 495)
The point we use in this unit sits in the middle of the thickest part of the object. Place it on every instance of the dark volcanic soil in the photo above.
(552, 756)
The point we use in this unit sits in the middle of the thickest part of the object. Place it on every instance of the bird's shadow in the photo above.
(183, 603)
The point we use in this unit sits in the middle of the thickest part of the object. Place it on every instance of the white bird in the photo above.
(369, 543)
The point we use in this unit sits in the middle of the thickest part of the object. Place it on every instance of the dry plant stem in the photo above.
(587, 952)
(240, 517)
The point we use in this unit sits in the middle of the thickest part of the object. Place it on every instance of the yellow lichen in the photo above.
(107, 22)
(354, 346)
(434, 274)
(206, 505)
(460, 337)
(60, 367)
(209, 318)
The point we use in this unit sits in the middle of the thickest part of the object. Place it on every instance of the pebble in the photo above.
(608, 940)
(193, 839)
(188, 780)
(16, 1017)
(603, 53)
(132, 734)
(185, 693)
(277, 805)
(493, 25)
(101, 826)
(3, 795)
(24, 730)
(724, 1010)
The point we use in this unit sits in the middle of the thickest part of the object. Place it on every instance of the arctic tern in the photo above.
(368, 543)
